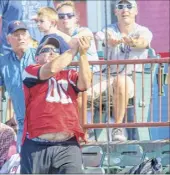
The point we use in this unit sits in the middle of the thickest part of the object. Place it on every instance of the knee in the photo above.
(121, 84)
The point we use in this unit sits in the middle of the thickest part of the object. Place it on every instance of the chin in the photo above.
(23, 48)
(127, 21)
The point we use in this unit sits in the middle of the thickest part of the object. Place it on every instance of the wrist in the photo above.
(82, 54)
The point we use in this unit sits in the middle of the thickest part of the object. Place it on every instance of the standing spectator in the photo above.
(20, 10)
(126, 40)
(12, 66)
(51, 135)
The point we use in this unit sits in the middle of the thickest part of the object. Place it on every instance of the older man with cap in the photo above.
(12, 66)
(51, 127)
(126, 40)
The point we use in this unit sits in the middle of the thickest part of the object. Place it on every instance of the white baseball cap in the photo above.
(133, 2)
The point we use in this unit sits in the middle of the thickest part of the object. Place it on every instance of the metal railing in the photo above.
(104, 104)
(146, 119)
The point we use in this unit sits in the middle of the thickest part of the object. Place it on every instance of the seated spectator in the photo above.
(7, 137)
(11, 166)
(126, 40)
(68, 24)
(46, 20)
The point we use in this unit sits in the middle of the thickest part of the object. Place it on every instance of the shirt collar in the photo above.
(15, 57)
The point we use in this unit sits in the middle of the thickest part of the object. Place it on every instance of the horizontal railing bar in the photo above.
(126, 125)
(128, 142)
(139, 61)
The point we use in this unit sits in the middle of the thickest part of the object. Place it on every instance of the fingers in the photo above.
(127, 40)
(84, 44)
(84, 41)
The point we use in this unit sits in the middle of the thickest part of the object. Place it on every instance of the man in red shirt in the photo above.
(51, 127)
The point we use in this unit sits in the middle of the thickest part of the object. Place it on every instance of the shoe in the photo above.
(118, 135)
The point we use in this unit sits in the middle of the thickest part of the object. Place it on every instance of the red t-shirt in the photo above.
(51, 105)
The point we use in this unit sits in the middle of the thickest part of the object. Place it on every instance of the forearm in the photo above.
(85, 75)
(84, 32)
(72, 42)
(56, 65)
(66, 37)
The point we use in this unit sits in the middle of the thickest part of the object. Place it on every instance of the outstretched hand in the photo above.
(84, 44)
(112, 39)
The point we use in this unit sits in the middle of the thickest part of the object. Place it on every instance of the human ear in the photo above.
(8, 40)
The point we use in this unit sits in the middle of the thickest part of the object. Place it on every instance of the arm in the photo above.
(66, 37)
(3, 8)
(141, 41)
(84, 32)
(56, 65)
(85, 75)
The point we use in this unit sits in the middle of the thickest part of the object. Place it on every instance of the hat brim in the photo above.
(18, 28)
(51, 41)
(133, 2)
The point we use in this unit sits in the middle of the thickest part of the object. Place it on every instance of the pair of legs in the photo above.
(121, 88)
(51, 157)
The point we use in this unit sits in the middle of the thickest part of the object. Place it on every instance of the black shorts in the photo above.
(51, 157)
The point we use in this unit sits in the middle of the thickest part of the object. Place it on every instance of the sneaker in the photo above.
(118, 135)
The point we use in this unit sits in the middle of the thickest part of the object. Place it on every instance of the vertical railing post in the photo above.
(84, 111)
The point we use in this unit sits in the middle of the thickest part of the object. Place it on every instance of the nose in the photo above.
(66, 17)
(125, 9)
(20, 36)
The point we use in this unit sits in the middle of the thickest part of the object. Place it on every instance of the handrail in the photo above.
(139, 61)
(135, 124)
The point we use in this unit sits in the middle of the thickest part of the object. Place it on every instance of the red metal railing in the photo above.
(143, 122)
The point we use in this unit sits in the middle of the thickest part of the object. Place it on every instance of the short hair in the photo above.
(48, 12)
(66, 3)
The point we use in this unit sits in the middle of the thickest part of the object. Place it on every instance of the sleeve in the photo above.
(147, 34)
(72, 79)
(64, 45)
(30, 76)
(3, 7)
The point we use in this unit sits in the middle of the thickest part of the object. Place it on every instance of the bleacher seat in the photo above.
(92, 158)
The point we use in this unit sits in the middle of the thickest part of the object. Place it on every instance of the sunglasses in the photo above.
(123, 6)
(63, 15)
(48, 49)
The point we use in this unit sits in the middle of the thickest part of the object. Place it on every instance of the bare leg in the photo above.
(80, 111)
(120, 97)
(121, 88)
(79, 101)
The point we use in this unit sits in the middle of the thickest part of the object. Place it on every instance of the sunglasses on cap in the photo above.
(49, 49)
(123, 6)
(63, 15)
